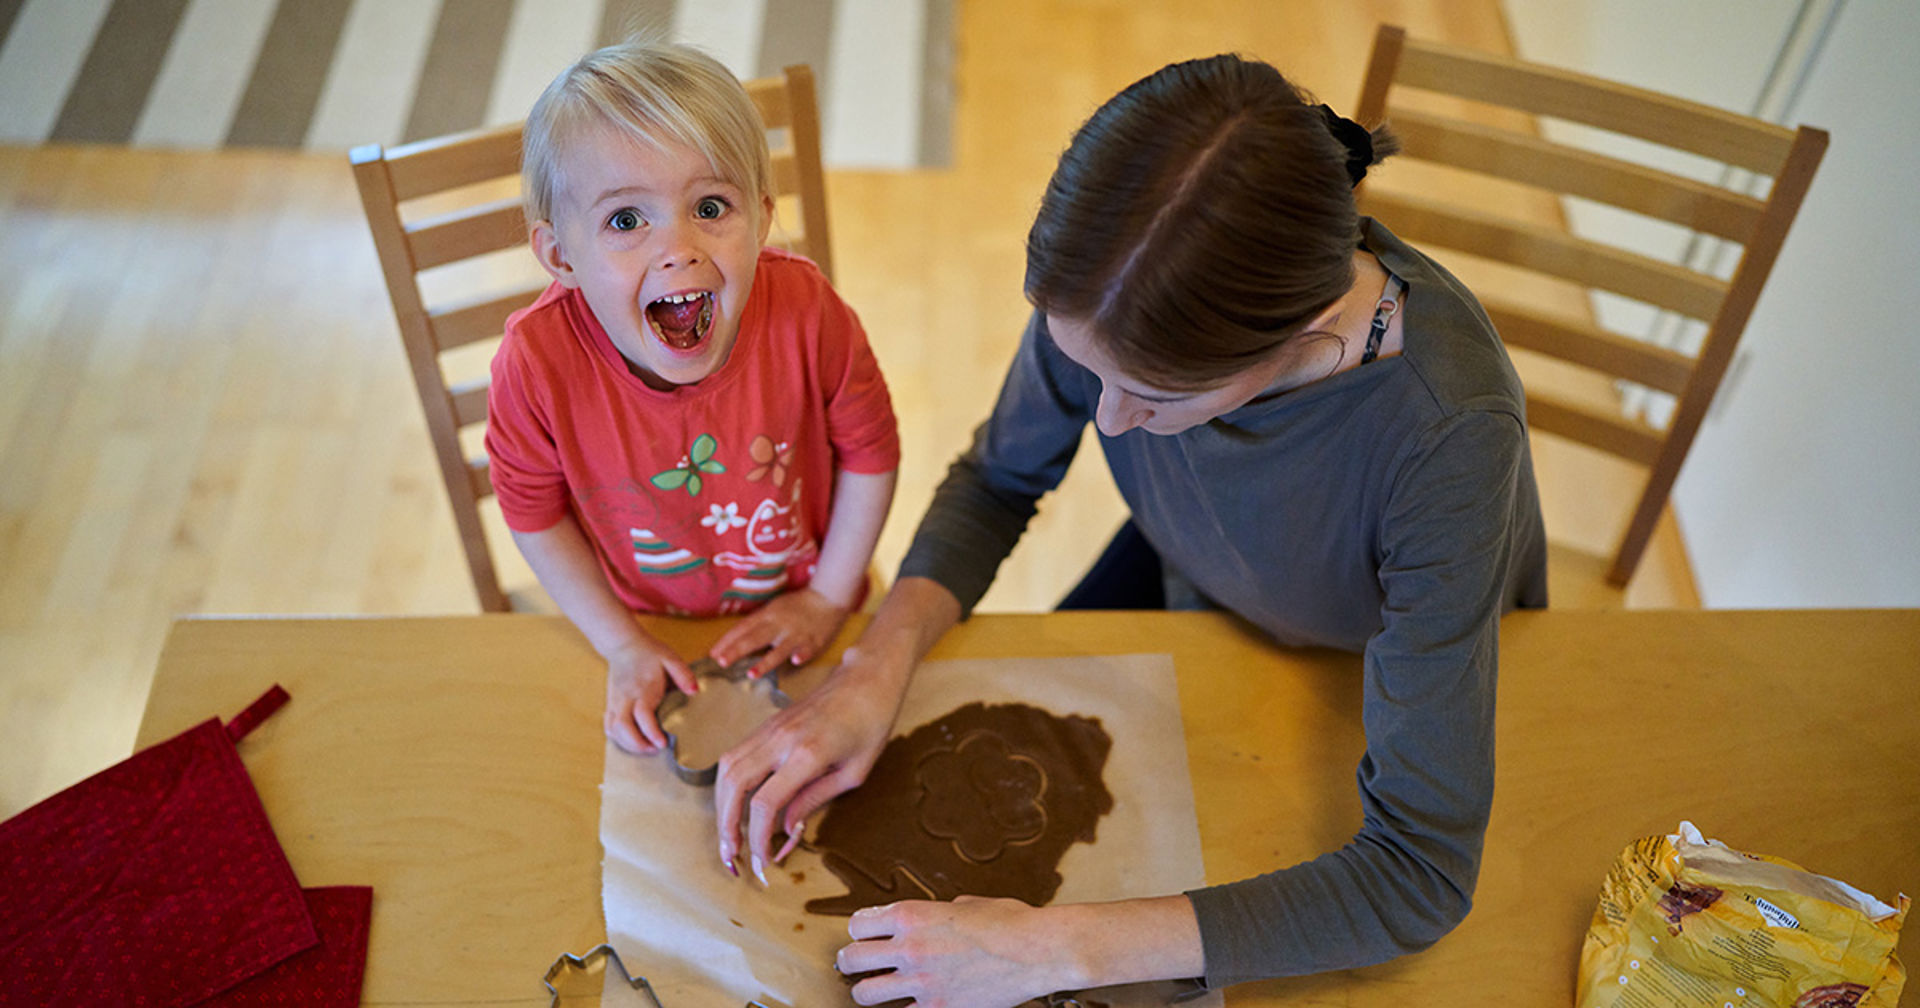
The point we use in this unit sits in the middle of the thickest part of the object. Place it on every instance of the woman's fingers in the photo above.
(741, 772)
(882, 989)
(803, 755)
(766, 809)
(865, 924)
(871, 953)
(805, 803)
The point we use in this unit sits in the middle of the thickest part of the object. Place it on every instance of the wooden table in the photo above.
(454, 763)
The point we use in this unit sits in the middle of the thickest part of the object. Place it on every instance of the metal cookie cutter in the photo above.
(732, 677)
(583, 963)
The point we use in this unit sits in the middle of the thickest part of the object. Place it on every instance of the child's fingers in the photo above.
(625, 734)
(778, 656)
(742, 639)
(682, 677)
(649, 724)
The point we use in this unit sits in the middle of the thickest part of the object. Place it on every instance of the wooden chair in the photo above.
(447, 223)
(1476, 113)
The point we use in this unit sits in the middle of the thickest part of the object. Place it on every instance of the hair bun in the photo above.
(1354, 137)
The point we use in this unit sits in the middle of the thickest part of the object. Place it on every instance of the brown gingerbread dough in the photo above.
(984, 801)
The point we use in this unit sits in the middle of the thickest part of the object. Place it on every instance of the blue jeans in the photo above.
(1127, 576)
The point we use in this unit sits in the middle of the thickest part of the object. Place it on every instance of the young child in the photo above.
(686, 421)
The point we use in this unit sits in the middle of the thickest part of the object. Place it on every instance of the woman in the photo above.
(1315, 427)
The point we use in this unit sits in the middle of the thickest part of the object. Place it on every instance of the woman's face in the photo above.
(1127, 403)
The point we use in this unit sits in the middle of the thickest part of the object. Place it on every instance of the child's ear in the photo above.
(766, 217)
(546, 248)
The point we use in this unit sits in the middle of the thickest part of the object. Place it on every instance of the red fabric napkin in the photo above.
(156, 882)
(325, 976)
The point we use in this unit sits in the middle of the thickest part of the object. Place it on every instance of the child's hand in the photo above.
(793, 627)
(637, 677)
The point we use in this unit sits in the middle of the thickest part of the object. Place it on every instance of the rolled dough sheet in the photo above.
(706, 939)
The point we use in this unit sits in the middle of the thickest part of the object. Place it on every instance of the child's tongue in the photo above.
(680, 325)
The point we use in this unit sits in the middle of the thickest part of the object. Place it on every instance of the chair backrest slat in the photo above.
(469, 403)
(475, 321)
(1549, 91)
(1553, 252)
(1532, 161)
(1612, 434)
(465, 233)
(1480, 142)
(434, 166)
(1587, 345)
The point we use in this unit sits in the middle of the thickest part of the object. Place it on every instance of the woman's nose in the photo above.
(1118, 412)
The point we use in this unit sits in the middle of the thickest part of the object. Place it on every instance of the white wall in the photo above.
(1803, 489)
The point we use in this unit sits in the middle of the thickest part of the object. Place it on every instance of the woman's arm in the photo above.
(638, 666)
(1003, 952)
(1428, 694)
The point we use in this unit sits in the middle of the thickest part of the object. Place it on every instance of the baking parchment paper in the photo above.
(706, 939)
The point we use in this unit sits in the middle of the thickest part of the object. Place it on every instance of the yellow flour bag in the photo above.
(1685, 922)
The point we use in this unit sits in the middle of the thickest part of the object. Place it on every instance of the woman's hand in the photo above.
(794, 627)
(637, 678)
(996, 953)
(970, 953)
(819, 747)
(827, 743)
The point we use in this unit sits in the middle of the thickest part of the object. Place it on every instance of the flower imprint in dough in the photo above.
(983, 800)
(982, 796)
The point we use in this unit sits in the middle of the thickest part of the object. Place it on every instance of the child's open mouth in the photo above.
(682, 320)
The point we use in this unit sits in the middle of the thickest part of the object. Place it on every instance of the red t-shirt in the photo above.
(710, 498)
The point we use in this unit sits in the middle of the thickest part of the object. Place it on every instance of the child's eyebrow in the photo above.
(619, 192)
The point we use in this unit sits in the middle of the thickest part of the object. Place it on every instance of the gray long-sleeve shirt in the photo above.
(1389, 510)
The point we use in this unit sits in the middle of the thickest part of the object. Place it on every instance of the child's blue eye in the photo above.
(624, 220)
(710, 208)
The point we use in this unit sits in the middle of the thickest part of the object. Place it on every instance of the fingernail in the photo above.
(759, 870)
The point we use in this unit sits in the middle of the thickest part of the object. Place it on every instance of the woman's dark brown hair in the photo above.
(1200, 219)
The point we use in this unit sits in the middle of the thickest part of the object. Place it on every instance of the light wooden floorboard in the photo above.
(204, 406)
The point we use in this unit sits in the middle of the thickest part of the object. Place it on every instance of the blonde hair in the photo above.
(657, 93)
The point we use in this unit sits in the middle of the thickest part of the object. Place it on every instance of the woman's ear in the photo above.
(1327, 319)
(546, 248)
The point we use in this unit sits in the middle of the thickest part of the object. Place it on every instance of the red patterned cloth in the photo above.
(325, 976)
(157, 882)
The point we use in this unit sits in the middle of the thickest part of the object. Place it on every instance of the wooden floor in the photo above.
(204, 407)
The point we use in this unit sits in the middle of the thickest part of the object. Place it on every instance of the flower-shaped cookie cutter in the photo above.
(738, 694)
